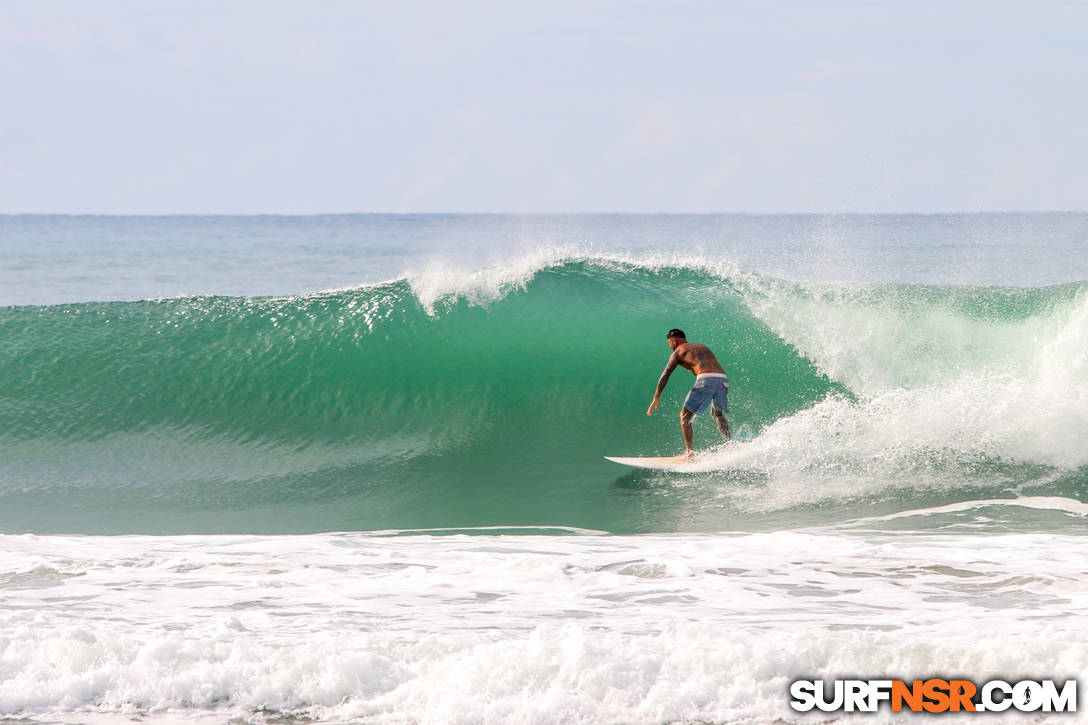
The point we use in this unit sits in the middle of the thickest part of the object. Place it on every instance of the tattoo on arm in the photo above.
(674, 360)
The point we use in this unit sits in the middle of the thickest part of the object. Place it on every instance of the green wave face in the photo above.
(366, 409)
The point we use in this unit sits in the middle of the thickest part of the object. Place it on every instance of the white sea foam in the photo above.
(466, 629)
(934, 394)
(442, 278)
(1043, 503)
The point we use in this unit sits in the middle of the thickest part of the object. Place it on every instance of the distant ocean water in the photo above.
(350, 467)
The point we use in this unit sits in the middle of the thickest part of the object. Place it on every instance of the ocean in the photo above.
(349, 468)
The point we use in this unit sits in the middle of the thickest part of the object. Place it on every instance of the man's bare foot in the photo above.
(687, 455)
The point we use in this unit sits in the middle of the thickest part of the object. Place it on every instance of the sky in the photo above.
(198, 107)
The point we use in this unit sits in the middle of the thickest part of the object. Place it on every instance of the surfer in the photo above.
(711, 385)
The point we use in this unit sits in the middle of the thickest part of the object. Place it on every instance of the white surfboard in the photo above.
(678, 463)
(659, 463)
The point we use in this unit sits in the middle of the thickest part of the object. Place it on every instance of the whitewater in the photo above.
(350, 469)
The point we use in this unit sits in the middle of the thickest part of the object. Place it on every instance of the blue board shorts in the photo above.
(708, 389)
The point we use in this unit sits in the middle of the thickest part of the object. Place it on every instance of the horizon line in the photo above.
(539, 214)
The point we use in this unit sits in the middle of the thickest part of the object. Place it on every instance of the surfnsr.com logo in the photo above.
(933, 695)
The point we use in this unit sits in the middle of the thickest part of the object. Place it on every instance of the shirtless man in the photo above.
(711, 385)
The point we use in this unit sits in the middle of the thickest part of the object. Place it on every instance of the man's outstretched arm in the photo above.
(674, 360)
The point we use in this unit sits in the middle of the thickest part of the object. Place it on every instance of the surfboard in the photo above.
(677, 463)
(657, 463)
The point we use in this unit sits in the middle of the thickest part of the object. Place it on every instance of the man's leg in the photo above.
(685, 425)
(723, 424)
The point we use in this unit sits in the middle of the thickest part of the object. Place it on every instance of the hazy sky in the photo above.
(552, 106)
